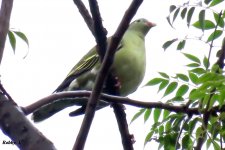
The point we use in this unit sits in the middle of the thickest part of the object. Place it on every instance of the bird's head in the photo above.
(141, 25)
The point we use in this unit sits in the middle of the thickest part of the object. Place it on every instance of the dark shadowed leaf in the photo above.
(168, 43)
(181, 45)
(22, 36)
(12, 40)
(172, 8)
(175, 14)
(202, 19)
(189, 16)
(183, 13)
(207, 1)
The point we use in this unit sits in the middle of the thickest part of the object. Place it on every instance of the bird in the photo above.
(127, 72)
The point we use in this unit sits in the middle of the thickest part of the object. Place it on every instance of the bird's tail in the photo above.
(50, 109)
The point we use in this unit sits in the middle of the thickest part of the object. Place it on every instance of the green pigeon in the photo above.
(128, 70)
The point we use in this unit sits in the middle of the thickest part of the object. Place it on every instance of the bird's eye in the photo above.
(138, 20)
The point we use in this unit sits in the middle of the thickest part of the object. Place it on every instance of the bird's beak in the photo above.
(151, 24)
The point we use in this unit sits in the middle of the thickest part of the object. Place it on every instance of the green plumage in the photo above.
(128, 67)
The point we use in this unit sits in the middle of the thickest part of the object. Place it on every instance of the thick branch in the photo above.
(15, 125)
(5, 14)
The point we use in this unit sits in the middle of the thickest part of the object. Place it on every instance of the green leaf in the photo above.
(168, 19)
(164, 75)
(147, 114)
(166, 113)
(138, 114)
(192, 58)
(216, 146)
(221, 97)
(198, 71)
(199, 132)
(168, 43)
(207, 1)
(189, 16)
(215, 2)
(172, 8)
(196, 94)
(208, 142)
(154, 81)
(163, 85)
(12, 40)
(193, 65)
(214, 35)
(206, 62)
(209, 76)
(183, 13)
(161, 130)
(148, 137)
(182, 77)
(176, 99)
(192, 125)
(181, 45)
(157, 113)
(22, 36)
(193, 77)
(218, 18)
(171, 87)
(168, 126)
(187, 142)
(175, 14)
(202, 19)
(207, 25)
(182, 90)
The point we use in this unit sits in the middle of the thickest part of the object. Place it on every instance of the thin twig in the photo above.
(85, 14)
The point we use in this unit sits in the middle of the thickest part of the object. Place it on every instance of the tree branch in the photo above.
(15, 125)
(107, 62)
(207, 113)
(5, 13)
(114, 99)
(85, 14)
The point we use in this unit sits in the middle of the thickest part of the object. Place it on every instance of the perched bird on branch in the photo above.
(126, 72)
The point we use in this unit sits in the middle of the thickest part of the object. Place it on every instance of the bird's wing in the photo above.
(84, 65)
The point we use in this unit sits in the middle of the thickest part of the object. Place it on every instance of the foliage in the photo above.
(202, 87)
(12, 38)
